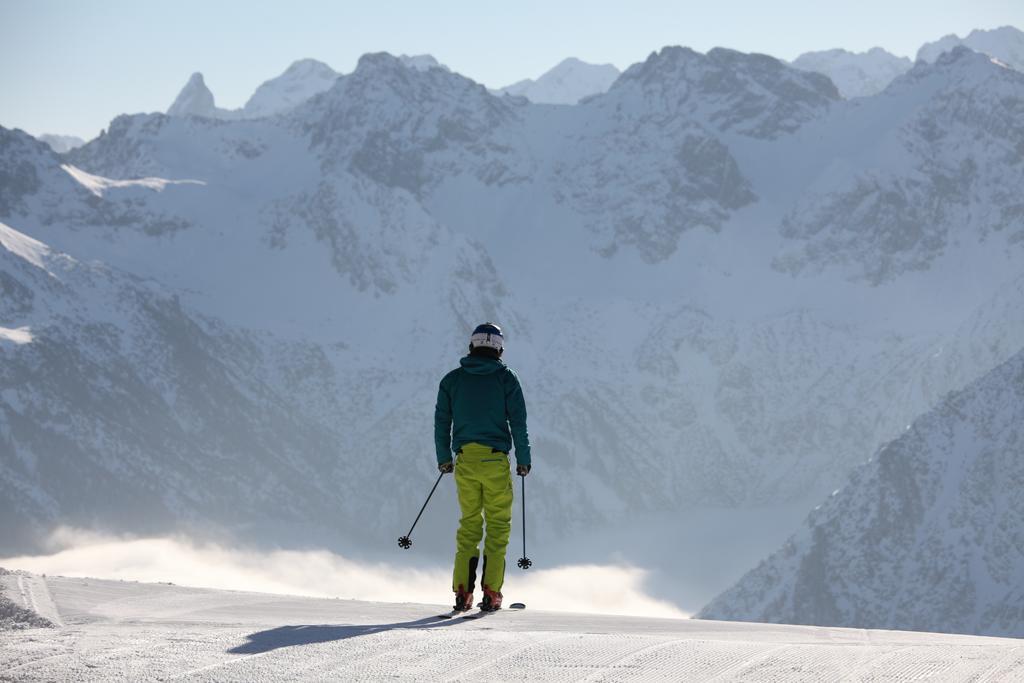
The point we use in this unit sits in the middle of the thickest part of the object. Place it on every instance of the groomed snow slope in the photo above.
(130, 631)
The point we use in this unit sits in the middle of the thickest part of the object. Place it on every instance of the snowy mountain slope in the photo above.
(62, 197)
(404, 204)
(1005, 44)
(300, 81)
(860, 74)
(335, 388)
(567, 82)
(906, 198)
(139, 630)
(650, 160)
(926, 536)
(121, 404)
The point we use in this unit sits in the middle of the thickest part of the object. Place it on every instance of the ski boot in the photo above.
(463, 600)
(492, 600)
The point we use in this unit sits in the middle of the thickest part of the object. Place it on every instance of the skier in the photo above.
(480, 410)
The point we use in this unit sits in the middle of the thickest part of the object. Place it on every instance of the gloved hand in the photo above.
(446, 467)
(522, 470)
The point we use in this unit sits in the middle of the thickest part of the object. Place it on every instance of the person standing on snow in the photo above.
(480, 410)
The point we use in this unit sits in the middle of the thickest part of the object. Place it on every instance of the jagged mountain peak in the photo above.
(724, 68)
(384, 81)
(660, 64)
(195, 99)
(961, 55)
(378, 60)
(386, 118)
(752, 94)
(1005, 43)
(387, 62)
(959, 64)
(196, 81)
(855, 74)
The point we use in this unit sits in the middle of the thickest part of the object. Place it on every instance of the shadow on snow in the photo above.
(290, 636)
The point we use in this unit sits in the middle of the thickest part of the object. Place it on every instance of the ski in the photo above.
(469, 614)
(484, 612)
(481, 613)
(453, 614)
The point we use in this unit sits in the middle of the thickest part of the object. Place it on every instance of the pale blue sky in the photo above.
(69, 66)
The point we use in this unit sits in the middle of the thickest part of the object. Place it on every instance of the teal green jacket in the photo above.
(481, 402)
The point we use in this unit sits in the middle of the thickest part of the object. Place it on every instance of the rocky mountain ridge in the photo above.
(740, 345)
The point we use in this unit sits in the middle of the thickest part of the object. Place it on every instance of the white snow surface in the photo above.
(21, 335)
(23, 246)
(98, 185)
(856, 74)
(114, 630)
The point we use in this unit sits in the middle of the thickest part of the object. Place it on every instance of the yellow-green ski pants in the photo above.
(484, 483)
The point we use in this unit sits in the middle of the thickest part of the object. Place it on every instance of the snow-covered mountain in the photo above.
(856, 74)
(721, 227)
(120, 403)
(920, 192)
(1005, 44)
(170, 414)
(925, 536)
(300, 81)
(61, 143)
(567, 82)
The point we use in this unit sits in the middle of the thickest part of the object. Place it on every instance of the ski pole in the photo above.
(524, 561)
(405, 542)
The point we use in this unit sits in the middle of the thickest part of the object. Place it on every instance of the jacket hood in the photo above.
(479, 365)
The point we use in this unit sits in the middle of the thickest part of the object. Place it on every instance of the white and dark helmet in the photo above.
(487, 335)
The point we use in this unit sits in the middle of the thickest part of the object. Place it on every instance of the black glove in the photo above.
(522, 470)
(446, 467)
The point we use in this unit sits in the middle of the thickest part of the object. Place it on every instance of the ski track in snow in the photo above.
(129, 631)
